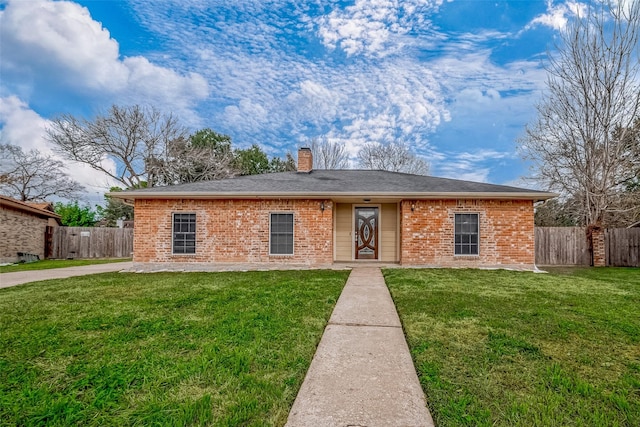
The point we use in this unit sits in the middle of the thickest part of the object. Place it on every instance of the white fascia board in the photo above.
(132, 195)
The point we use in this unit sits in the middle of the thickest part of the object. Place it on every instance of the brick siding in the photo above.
(233, 231)
(20, 232)
(506, 233)
(237, 231)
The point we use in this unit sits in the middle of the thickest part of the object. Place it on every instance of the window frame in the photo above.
(173, 237)
(293, 232)
(477, 233)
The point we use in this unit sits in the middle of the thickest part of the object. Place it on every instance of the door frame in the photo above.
(354, 207)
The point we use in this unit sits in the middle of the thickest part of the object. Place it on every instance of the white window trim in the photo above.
(293, 220)
(173, 214)
(454, 235)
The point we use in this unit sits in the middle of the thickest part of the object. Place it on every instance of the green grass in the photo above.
(57, 263)
(161, 349)
(504, 348)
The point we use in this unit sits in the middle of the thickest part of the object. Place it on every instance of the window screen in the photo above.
(184, 233)
(466, 234)
(281, 238)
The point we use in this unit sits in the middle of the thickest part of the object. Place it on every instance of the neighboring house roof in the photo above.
(335, 184)
(31, 208)
(45, 206)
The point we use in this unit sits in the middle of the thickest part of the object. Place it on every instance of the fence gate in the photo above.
(89, 242)
(622, 247)
(562, 246)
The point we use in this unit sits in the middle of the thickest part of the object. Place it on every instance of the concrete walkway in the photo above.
(362, 373)
(20, 277)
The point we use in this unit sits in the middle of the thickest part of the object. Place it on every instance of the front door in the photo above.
(366, 233)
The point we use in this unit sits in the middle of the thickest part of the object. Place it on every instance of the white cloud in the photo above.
(247, 113)
(558, 15)
(61, 41)
(484, 155)
(387, 101)
(265, 88)
(471, 165)
(626, 5)
(372, 27)
(314, 102)
(20, 125)
(478, 97)
(25, 128)
(272, 81)
(483, 36)
(489, 103)
(464, 171)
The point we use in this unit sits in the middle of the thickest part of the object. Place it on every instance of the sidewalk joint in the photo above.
(363, 325)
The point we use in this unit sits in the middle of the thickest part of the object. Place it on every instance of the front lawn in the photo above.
(57, 263)
(504, 348)
(161, 349)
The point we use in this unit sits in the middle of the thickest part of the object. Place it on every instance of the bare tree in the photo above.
(329, 155)
(132, 137)
(206, 155)
(33, 176)
(394, 157)
(579, 142)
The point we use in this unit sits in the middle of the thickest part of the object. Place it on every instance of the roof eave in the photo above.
(26, 208)
(330, 195)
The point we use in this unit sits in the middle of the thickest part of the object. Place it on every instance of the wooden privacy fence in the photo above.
(89, 242)
(569, 246)
(562, 246)
(622, 247)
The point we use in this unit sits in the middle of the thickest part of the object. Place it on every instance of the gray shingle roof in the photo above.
(333, 182)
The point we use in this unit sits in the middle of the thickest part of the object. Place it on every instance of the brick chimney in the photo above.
(305, 160)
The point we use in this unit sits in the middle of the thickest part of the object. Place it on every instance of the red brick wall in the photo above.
(599, 251)
(233, 231)
(237, 231)
(506, 233)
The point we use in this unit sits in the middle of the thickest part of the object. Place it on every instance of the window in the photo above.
(466, 234)
(184, 233)
(281, 235)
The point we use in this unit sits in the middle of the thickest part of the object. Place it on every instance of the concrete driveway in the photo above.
(20, 277)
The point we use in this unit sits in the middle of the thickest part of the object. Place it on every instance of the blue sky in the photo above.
(457, 80)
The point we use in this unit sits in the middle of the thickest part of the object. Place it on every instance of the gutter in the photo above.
(131, 196)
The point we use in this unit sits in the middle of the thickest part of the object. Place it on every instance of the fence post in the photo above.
(599, 253)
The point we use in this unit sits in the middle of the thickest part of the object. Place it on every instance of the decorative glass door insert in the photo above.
(366, 233)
